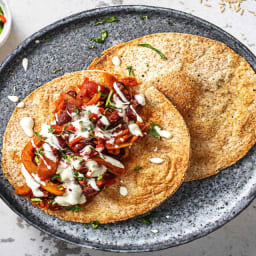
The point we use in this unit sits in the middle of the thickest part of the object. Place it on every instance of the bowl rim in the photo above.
(7, 26)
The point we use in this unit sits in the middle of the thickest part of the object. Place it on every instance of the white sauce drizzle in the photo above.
(163, 133)
(135, 129)
(119, 92)
(35, 186)
(123, 191)
(156, 160)
(140, 99)
(113, 161)
(37, 178)
(137, 115)
(116, 61)
(93, 184)
(50, 138)
(27, 125)
(95, 170)
(14, 99)
(48, 152)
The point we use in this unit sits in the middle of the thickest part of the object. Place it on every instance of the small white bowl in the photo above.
(8, 25)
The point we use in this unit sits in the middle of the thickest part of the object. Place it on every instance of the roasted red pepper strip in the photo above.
(2, 18)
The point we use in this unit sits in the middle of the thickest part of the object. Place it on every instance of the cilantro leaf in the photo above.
(154, 49)
(95, 224)
(131, 73)
(75, 208)
(57, 70)
(107, 20)
(147, 219)
(137, 168)
(57, 176)
(39, 136)
(91, 47)
(143, 17)
(153, 131)
(51, 130)
(100, 39)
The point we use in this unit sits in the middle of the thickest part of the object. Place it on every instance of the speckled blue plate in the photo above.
(198, 207)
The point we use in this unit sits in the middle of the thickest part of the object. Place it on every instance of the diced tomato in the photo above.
(2, 18)
(129, 81)
(93, 116)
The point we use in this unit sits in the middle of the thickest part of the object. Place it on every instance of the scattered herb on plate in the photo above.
(147, 219)
(57, 70)
(40, 138)
(95, 224)
(47, 39)
(100, 39)
(91, 47)
(143, 17)
(137, 168)
(154, 49)
(152, 131)
(107, 20)
(75, 208)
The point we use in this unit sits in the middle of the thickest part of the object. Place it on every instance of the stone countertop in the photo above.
(235, 238)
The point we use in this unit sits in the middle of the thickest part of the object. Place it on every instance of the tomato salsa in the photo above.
(81, 151)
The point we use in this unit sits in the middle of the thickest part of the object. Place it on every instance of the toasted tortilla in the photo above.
(213, 87)
(147, 188)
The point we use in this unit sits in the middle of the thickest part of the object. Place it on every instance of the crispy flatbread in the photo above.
(213, 87)
(147, 188)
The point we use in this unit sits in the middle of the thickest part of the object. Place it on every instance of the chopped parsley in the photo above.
(36, 200)
(36, 160)
(47, 39)
(39, 152)
(147, 219)
(154, 49)
(131, 73)
(86, 226)
(52, 202)
(76, 111)
(100, 177)
(51, 130)
(91, 46)
(95, 224)
(109, 98)
(57, 176)
(39, 136)
(75, 208)
(137, 168)
(101, 94)
(107, 20)
(57, 70)
(100, 39)
(152, 131)
(67, 157)
(143, 17)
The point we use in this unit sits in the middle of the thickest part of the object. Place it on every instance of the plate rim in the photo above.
(136, 8)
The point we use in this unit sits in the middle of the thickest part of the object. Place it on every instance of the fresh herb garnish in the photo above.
(91, 47)
(75, 208)
(66, 131)
(100, 177)
(52, 202)
(169, 23)
(152, 131)
(57, 176)
(91, 132)
(137, 168)
(107, 20)
(39, 136)
(143, 17)
(95, 224)
(101, 93)
(36, 200)
(57, 70)
(36, 160)
(109, 98)
(47, 39)
(67, 157)
(78, 158)
(147, 219)
(154, 49)
(131, 73)
(76, 111)
(39, 152)
(100, 39)
(51, 130)
(60, 187)
(86, 226)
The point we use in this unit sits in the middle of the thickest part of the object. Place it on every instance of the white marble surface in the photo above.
(237, 238)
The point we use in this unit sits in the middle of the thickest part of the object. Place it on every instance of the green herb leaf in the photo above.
(101, 39)
(75, 208)
(52, 202)
(39, 151)
(109, 97)
(86, 226)
(57, 176)
(147, 219)
(47, 39)
(153, 131)
(1, 10)
(36, 160)
(36, 200)
(154, 49)
(95, 224)
(67, 157)
(107, 20)
(137, 168)
(57, 70)
(143, 17)
(91, 132)
(51, 130)
(91, 47)
(39, 136)
(131, 73)
(100, 177)
(76, 111)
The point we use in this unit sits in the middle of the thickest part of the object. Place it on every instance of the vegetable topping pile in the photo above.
(2, 20)
(80, 152)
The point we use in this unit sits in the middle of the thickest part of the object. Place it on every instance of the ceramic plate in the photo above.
(198, 207)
